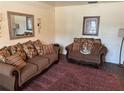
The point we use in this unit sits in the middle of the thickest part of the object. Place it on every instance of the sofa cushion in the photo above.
(17, 49)
(38, 46)
(48, 49)
(52, 57)
(4, 53)
(16, 61)
(81, 57)
(29, 49)
(40, 61)
(27, 72)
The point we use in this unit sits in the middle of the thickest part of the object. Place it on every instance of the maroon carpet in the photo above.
(67, 76)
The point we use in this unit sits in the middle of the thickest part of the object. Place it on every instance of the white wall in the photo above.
(69, 23)
(39, 10)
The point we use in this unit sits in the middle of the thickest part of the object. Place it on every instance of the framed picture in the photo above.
(29, 23)
(91, 25)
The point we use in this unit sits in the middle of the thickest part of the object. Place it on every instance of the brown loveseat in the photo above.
(96, 56)
(11, 78)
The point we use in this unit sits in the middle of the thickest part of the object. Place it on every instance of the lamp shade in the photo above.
(121, 32)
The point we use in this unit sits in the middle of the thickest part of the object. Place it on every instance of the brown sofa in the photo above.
(96, 57)
(11, 78)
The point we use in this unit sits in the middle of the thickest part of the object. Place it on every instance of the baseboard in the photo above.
(112, 63)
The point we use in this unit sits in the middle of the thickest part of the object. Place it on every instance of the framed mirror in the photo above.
(20, 25)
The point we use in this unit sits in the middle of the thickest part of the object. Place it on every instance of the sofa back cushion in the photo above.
(16, 61)
(76, 46)
(86, 43)
(17, 49)
(4, 53)
(29, 49)
(48, 49)
(39, 47)
(77, 40)
(96, 48)
(81, 40)
(97, 41)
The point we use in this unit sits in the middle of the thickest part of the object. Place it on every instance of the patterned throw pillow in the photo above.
(87, 46)
(4, 53)
(29, 49)
(18, 49)
(76, 46)
(38, 46)
(48, 49)
(16, 61)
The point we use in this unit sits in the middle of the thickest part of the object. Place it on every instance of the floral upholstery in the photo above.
(38, 46)
(4, 53)
(87, 46)
(29, 49)
(18, 49)
(77, 40)
(83, 44)
(76, 46)
(48, 49)
(96, 48)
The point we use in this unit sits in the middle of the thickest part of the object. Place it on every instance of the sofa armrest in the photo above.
(69, 47)
(8, 74)
(103, 50)
(102, 54)
(57, 49)
(7, 70)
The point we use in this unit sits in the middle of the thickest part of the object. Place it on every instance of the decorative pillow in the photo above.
(87, 46)
(38, 46)
(76, 46)
(4, 53)
(16, 61)
(18, 49)
(29, 49)
(48, 49)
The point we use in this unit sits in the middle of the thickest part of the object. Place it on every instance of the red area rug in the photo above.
(67, 76)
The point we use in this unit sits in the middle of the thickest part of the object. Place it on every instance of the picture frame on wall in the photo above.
(91, 25)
